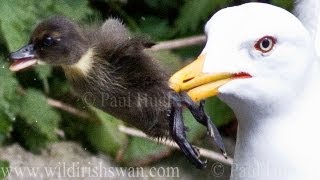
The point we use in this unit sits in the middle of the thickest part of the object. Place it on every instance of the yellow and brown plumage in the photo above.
(110, 70)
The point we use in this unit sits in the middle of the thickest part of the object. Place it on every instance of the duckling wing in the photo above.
(113, 28)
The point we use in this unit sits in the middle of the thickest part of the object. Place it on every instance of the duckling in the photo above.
(109, 69)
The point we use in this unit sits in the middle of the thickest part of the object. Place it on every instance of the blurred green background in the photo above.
(27, 118)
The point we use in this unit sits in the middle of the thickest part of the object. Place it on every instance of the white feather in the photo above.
(308, 11)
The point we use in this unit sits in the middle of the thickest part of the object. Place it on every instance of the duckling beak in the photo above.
(200, 85)
(23, 58)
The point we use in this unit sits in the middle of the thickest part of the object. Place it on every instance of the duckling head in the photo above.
(56, 41)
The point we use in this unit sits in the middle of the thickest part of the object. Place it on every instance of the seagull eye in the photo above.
(265, 44)
(48, 41)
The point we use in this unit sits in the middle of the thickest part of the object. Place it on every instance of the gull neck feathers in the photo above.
(308, 11)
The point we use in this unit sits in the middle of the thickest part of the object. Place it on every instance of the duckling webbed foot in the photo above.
(200, 115)
(177, 131)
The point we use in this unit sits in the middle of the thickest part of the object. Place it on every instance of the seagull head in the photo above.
(255, 54)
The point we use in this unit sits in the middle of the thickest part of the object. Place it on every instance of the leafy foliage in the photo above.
(8, 99)
(162, 30)
(218, 111)
(39, 118)
(194, 12)
(141, 151)
(283, 3)
(105, 135)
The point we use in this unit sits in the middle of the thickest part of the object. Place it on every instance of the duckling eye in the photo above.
(265, 44)
(48, 41)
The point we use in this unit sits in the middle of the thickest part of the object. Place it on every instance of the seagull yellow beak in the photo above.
(199, 85)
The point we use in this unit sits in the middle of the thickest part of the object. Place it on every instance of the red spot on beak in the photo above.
(241, 75)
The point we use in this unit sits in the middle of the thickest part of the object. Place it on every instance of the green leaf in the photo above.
(38, 117)
(105, 135)
(8, 83)
(286, 4)
(59, 87)
(44, 71)
(15, 23)
(195, 130)
(161, 4)
(168, 59)
(76, 10)
(5, 126)
(157, 28)
(29, 136)
(141, 151)
(220, 113)
(37, 112)
(8, 98)
(4, 169)
(195, 12)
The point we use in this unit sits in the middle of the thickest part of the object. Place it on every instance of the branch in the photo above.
(60, 105)
(179, 43)
(134, 132)
(204, 152)
(65, 107)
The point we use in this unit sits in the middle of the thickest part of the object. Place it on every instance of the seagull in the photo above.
(261, 61)
(308, 11)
